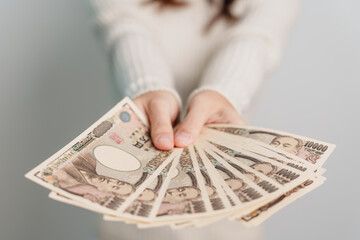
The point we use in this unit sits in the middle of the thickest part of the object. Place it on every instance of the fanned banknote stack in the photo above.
(242, 173)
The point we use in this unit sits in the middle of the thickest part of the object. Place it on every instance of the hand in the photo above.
(162, 109)
(204, 108)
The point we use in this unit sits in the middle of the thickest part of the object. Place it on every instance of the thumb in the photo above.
(190, 128)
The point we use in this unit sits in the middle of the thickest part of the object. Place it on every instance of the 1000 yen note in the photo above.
(108, 165)
(311, 150)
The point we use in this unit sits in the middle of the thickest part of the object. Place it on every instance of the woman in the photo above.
(214, 53)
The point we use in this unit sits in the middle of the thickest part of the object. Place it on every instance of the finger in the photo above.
(190, 128)
(161, 127)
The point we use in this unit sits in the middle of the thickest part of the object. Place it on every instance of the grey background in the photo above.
(55, 82)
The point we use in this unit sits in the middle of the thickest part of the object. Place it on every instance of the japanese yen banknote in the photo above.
(238, 172)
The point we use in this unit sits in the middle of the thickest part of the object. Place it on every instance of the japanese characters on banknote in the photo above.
(231, 171)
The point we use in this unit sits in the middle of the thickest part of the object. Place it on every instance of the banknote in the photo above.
(259, 180)
(246, 195)
(281, 176)
(108, 165)
(311, 150)
(187, 194)
(260, 134)
(184, 195)
(58, 197)
(145, 205)
(245, 173)
(245, 190)
(265, 211)
(219, 199)
(188, 171)
(251, 145)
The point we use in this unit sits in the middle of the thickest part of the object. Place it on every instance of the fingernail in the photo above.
(183, 138)
(164, 140)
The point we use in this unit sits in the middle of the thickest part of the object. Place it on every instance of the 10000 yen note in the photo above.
(216, 197)
(108, 165)
(219, 200)
(146, 204)
(284, 175)
(265, 211)
(311, 150)
(266, 169)
(144, 208)
(257, 148)
(221, 186)
(57, 197)
(245, 191)
(227, 185)
(235, 180)
(185, 195)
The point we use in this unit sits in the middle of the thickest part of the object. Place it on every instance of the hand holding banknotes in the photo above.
(162, 110)
(228, 171)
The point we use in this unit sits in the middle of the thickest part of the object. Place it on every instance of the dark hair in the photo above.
(223, 13)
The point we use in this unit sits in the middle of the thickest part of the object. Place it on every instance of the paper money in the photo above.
(311, 150)
(262, 213)
(108, 165)
(281, 143)
(237, 172)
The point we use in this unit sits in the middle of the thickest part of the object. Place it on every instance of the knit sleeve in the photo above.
(138, 61)
(250, 49)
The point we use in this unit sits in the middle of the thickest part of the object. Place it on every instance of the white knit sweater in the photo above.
(168, 50)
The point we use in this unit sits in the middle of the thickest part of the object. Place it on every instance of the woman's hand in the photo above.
(161, 109)
(205, 107)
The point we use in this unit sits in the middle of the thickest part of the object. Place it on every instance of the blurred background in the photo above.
(55, 81)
